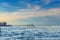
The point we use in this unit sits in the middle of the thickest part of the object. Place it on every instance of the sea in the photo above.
(29, 33)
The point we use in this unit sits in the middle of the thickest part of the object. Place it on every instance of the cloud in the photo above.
(28, 13)
(46, 1)
(25, 3)
(35, 12)
(7, 5)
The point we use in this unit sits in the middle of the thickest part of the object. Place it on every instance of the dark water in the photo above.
(30, 33)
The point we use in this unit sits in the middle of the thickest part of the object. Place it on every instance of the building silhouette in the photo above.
(3, 23)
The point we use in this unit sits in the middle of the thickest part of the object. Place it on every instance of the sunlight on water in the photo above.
(30, 33)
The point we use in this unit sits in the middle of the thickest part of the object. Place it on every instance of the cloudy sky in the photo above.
(30, 12)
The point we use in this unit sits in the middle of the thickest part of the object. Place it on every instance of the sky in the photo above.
(41, 12)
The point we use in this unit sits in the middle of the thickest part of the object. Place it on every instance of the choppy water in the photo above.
(30, 33)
